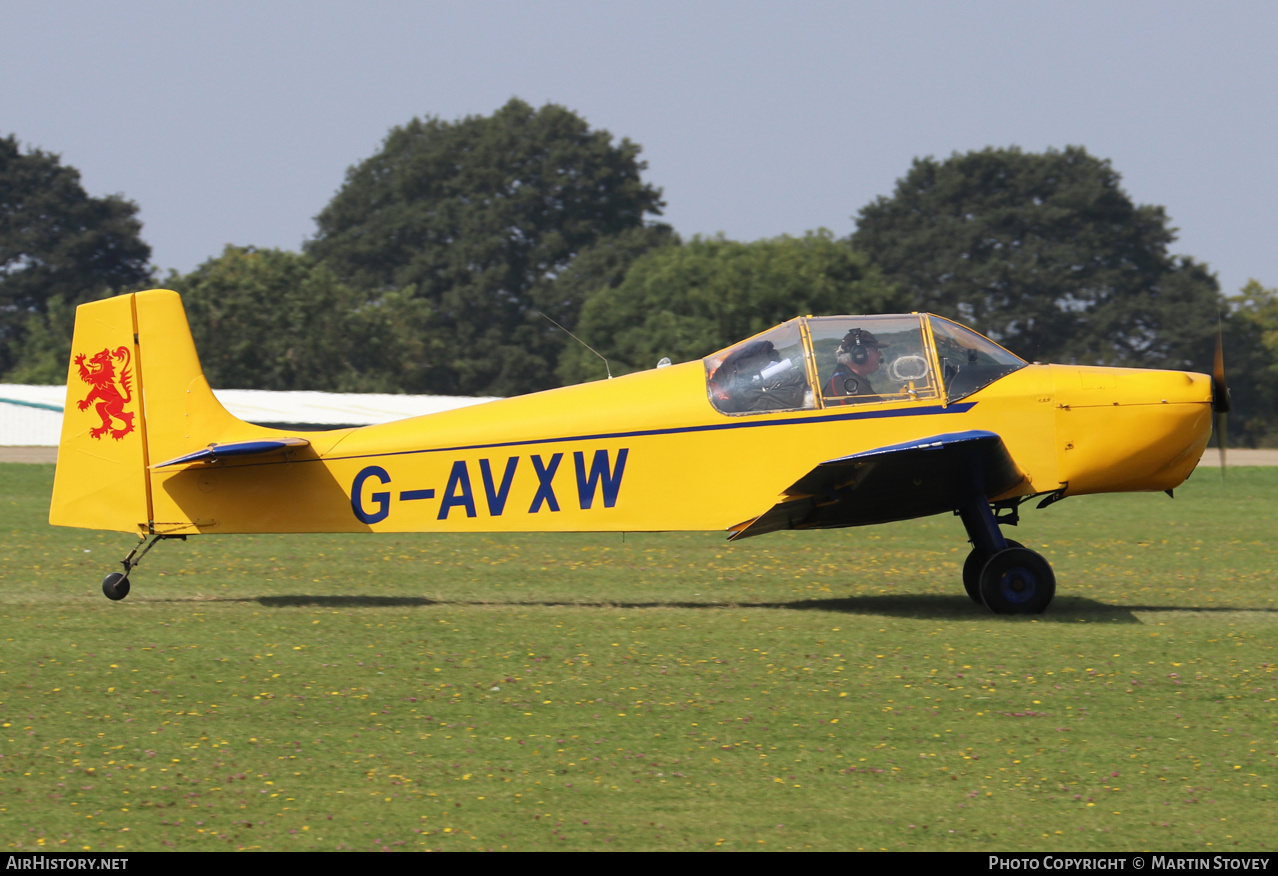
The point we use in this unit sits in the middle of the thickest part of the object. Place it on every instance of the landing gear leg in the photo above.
(115, 586)
(1001, 574)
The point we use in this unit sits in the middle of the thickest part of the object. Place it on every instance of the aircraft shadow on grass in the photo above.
(918, 606)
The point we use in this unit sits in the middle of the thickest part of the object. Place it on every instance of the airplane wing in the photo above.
(214, 452)
(898, 482)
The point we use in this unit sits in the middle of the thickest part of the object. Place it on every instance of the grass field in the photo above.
(801, 690)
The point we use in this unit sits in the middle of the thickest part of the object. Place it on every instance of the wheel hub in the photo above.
(1018, 585)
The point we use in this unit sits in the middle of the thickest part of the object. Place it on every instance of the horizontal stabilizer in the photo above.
(214, 452)
(915, 479)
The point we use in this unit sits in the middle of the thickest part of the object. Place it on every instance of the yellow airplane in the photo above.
(820, 422)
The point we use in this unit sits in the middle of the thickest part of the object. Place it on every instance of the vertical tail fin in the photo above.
(136, 395)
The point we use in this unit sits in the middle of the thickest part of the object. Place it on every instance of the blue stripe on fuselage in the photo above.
(957, 408)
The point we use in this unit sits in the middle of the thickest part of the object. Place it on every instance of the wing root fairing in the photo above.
(898, 482)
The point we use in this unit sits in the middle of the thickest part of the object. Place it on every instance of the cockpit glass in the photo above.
(867, 359)
(969, 361)
(857, 360)
(766, 373)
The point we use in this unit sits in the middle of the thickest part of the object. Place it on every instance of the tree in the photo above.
(58, 248)
(687, 301)
(468, 218)
(271, 319)
(1047, 255)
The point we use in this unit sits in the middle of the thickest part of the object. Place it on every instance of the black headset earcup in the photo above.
(859, 353)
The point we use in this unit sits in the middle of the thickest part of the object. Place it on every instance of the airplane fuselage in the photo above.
(648, 452)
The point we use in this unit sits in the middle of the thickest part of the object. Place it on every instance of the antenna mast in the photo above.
(580, 341)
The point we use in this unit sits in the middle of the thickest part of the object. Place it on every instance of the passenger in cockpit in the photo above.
(859, 355)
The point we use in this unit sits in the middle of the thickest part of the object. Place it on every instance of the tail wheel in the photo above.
(972, 567)
(115, 586)
(1017, 581)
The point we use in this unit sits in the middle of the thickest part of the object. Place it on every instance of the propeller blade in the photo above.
(1220, 392)
(1220, 440)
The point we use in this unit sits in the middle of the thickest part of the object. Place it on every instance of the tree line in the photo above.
(442, 260)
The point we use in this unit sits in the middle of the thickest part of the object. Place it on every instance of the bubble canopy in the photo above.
(819, 362)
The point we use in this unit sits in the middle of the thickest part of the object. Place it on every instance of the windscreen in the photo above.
(969, 361)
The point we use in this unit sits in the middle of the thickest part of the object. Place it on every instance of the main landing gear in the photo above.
(1003, 575)
(115, 586)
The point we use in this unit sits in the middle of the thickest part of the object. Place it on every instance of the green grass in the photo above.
(801, 690)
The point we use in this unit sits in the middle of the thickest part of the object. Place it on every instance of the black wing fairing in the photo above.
(898, 482)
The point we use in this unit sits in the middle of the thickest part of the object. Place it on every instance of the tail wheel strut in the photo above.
(115, 586)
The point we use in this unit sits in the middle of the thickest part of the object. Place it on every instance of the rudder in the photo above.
(101, 482)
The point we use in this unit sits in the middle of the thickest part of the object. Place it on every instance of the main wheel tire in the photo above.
(115, 586)
(972, 567)
(1017, 581)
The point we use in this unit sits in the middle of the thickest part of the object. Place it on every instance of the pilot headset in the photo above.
(859, 353)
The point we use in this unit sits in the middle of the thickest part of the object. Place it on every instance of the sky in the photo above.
(235, 122)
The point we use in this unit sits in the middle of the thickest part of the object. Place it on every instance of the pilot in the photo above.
(859, 355)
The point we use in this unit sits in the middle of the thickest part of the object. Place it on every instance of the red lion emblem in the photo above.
(100, 374)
